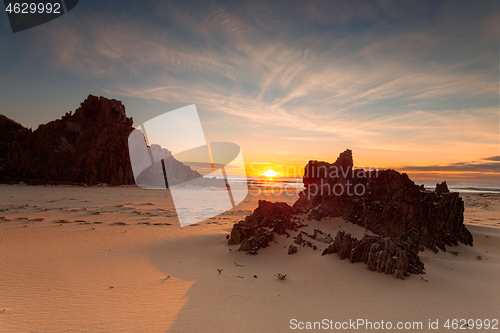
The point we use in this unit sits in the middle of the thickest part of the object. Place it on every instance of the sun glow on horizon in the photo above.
(270, 173)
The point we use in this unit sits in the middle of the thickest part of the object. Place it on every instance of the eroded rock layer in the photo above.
(89, 146)
(384, 201)
(405, 217)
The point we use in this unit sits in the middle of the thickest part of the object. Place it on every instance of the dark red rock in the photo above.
(89, 146)
(8, 131)
(442, 188)
(390, 205)
(257, 229)
(259, 237)
(299, 240)
(389, 255)
(405, 217)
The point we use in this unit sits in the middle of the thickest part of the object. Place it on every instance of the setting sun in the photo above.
(270, 173)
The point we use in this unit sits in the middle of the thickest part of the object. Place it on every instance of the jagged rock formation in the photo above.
(385, 201)
(292, 249)
(405, 217)
(396, 256)
(258, 228)
(89, 147)
(442, 188)
(8, 130)
(437, 216)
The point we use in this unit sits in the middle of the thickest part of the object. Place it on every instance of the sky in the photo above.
(410, 85)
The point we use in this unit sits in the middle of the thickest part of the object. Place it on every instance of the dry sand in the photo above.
(66, 266)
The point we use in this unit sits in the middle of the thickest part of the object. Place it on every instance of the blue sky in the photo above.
(403, 84)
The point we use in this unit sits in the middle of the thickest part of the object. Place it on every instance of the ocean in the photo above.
(453, 186)
(463, 187)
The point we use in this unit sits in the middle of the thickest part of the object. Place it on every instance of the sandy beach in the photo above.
(107, 259)
(139, 140)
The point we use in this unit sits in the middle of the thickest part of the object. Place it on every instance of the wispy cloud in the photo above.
(472, 171)
(368, 75)
(458, 167)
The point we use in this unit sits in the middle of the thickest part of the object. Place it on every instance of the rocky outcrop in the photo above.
(330, 187)
(89, 146)
(8, 130)
(437, 216)
(385, 201)
(389, 255)
(442, 188)
(258, 229)
(405, 217)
